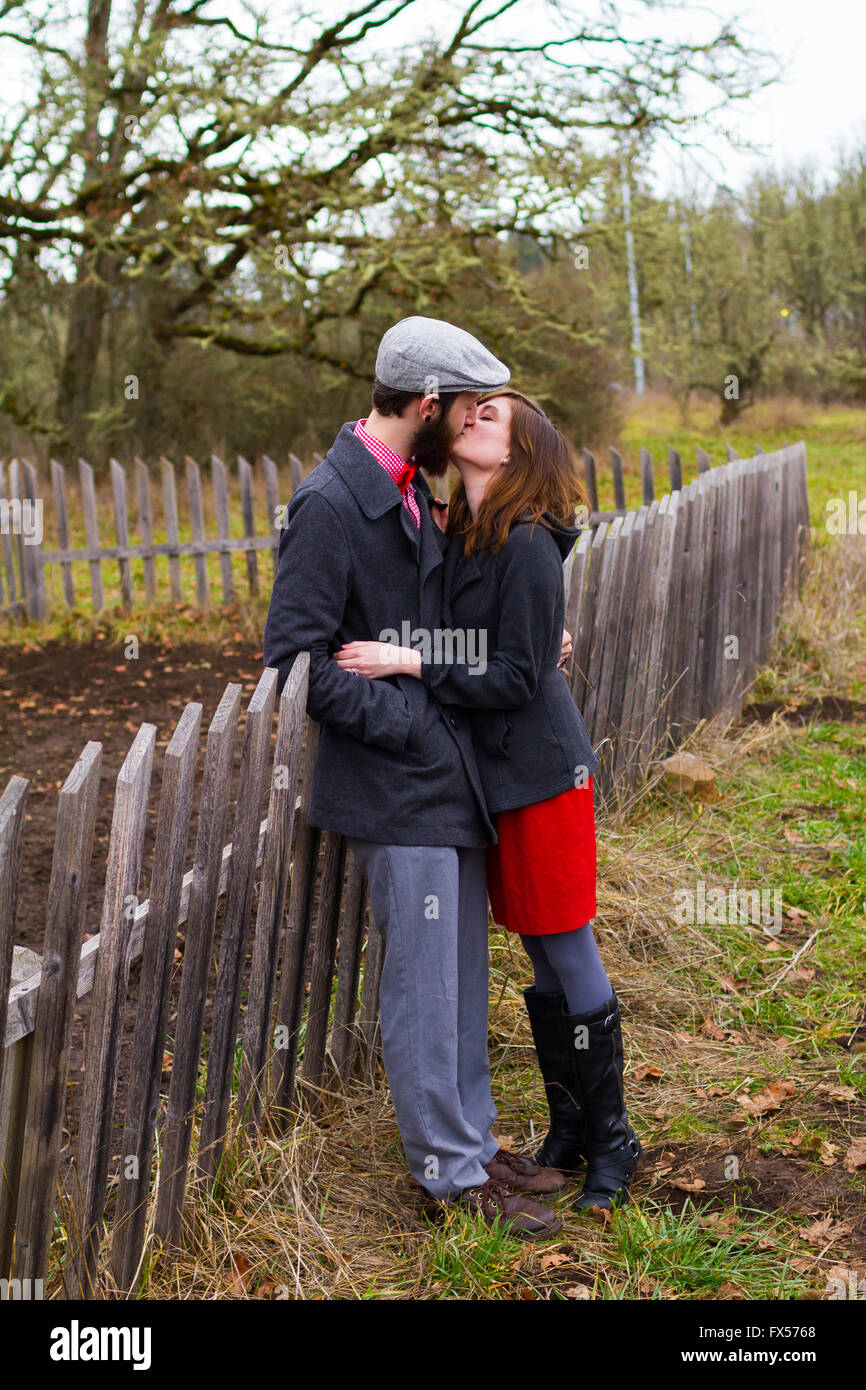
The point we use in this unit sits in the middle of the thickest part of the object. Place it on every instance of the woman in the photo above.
(510, 531)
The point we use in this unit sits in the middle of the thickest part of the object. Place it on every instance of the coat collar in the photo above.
(376, 493)
(366, 479)
(364, 476)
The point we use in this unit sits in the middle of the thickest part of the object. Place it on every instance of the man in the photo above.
(395, 773)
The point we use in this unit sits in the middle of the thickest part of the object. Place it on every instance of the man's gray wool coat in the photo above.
(394, 763)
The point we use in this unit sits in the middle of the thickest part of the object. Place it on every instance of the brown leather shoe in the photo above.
(523, 1174)
(518, 1215)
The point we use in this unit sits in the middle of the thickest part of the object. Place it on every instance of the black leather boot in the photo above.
(613, 1149)
(564, 1145)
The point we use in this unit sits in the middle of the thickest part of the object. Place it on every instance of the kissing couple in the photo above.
(454, 779)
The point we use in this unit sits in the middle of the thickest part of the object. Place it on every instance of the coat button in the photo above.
(452, 722)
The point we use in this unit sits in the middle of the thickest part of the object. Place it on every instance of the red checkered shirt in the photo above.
(393, 466)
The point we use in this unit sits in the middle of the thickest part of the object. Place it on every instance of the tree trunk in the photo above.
(95, 270)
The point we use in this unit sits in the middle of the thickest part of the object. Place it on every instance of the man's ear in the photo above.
(430, 407)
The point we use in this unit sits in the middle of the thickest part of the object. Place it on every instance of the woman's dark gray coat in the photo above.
(530, 739)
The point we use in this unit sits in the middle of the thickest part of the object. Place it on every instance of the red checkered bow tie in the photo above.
(406, 477)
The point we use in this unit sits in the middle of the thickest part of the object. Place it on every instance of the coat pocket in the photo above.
(491, 730)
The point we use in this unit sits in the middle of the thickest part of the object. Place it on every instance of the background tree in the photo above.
(171, 159)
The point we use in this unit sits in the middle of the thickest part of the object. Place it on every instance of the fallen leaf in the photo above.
(836, 1092)
(711, 1029)
(240, 1284)
(689, 1185)
(770, 1099)
(827, 1153)
(727, 984)
(855, 1157)
(650, 1073)
(553, 1260)
(719, 1220)
(796, 914)
(727, 1290)
(578, 1291)
(825, 1232)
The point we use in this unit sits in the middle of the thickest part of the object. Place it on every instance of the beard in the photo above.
(431, 446)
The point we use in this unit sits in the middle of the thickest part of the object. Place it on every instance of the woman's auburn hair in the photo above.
(541, 477)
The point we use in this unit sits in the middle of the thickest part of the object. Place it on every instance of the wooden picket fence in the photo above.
(672, 606)
(24, 560)
(262, 491)
(311, 973)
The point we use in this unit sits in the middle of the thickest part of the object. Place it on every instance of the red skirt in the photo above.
(541, 874)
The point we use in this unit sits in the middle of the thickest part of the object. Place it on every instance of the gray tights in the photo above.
(569, 961)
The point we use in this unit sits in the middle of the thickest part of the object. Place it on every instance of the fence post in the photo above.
(196, 517)
(221, 504)
(58, 482)
(67, 903)
(646, 477)
(675, 469)
(145, 527)
(169, 502)
(106, 1015)
(343, 1035)
(91, 531)
(591, 481)
(272, 493)
(32, 570)
(121, 526)
(272, 890)
(172, 830)
(198, 949)
(13, 806)
(245, 473)
(227, 994)
(305, 857)
(13, 1110)
(618, 480)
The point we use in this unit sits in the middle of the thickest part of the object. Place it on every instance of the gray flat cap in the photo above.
(429, 356)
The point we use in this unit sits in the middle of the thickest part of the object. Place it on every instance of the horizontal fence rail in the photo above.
(672, 607)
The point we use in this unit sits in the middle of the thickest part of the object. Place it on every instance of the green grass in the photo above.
(688, 1260)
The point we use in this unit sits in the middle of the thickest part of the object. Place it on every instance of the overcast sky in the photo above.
(821, 106)
(819, 109)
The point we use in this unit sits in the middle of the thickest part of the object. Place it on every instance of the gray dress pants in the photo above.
(429, 903)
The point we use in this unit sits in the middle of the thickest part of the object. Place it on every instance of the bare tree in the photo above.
(250, 183)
